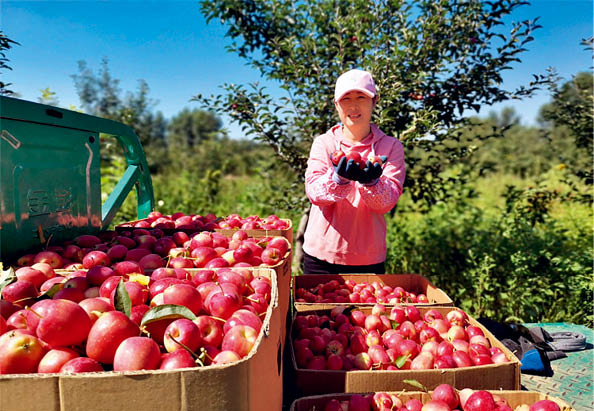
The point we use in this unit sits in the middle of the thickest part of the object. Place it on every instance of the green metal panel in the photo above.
(50, 175)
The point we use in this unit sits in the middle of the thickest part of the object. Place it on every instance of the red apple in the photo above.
(151, 262)
(64, 323)
(183, 294)
(240, 339)
(124, 268)
(447, 394)
(136, 254)
(87, 241)
(223, 301)
(243, 317)
(271, 256)
(117, 252)
(137, 353)
(95, 258)
(35, 277)
(81, 364)
(21, 293)
(20, 353)
(95, 306)
(182, 333)
(55, 358)
(226, 357)
(26, 260)
(336, 156)
(50, 257)
(106, 335)
(480, 401)
(544, 405)
(176, 360)
(211, 331)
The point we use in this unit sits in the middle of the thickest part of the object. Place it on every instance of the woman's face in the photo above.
(355, 109)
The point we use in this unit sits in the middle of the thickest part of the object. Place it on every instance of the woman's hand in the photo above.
(346, 171)
(371, 173)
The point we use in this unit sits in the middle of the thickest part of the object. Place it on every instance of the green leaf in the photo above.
(7, 277)
(122, 299)
(416, 384)
(395, 324)
(167, 311)
(400, 361)
(51, 291)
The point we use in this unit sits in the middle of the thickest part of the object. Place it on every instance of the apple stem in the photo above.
(98, 313)
(218, 319)
(183, 346)
(33, 311)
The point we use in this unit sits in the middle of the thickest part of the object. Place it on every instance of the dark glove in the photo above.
(345, 171)
(371, 173)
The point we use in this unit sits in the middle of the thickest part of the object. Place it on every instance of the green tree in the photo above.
(433, 61)
(572, 109)
(100, 95)
(190, 128)
(5, 44)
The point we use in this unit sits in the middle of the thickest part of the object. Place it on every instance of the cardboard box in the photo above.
(410, 282)
(254, 383)
(493, 376)
(513, 398)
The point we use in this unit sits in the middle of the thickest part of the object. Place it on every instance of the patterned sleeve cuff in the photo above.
(340, 180)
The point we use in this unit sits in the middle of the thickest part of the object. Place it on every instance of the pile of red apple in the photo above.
(173, 319)
(208, 222)
(443, 398)
(337, 155)
(148, 249)
(351, 292)
(390, 339)
(253, 222)
(181, 221)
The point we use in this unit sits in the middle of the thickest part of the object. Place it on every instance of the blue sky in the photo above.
(169, 44)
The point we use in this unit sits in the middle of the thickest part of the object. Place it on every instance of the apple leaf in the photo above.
(121, 300)
(6, 277)
(347, 311)
(400, 361)
(416, 384)
(395, 324)
(167, 311)
(51, 291)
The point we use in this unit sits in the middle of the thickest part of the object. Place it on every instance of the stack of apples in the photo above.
(443, 398)
(173, 319)
(148, 249)
(351, 292)
(390, 339)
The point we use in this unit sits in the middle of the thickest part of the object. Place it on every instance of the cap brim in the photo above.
(362, 90)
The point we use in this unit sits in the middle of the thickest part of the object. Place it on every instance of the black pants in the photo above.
(313, 265)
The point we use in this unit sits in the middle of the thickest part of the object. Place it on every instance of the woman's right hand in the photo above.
(346, 171)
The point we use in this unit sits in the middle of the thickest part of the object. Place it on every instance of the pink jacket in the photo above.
(346, 223)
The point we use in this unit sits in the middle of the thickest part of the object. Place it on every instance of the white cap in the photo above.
(354, 80)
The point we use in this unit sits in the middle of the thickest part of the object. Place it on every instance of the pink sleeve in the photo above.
(319, 186)
(383, 196)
